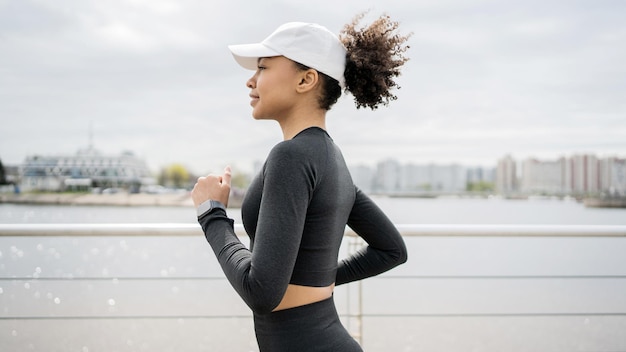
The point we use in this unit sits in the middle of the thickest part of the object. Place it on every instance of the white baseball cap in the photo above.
(306, 43)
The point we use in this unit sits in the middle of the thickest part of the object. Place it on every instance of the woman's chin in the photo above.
(257, 115)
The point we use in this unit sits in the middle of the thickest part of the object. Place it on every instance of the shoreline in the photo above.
(117, 199)
(175, 199)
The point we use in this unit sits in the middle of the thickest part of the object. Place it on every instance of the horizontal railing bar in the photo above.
(364, 315)
(127, 317)
(512, 230)
(499, 277)
(479, 315)
(143, 229)
(418, 230)
(402, 277)
(117, 278)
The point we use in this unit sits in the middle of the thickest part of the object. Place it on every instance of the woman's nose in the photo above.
(251, 83)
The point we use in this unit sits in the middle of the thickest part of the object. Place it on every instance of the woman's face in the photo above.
(273, 88)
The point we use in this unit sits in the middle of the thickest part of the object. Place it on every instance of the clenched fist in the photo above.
(215, 187)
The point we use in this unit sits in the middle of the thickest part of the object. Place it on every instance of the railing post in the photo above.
(355, 309)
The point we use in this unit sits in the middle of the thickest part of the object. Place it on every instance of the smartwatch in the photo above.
(208, 206)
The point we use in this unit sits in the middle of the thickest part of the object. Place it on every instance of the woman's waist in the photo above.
(298, 295)
(289, 321)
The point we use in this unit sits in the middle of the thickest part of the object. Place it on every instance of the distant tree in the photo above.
(177, 175)
(174, 175)
(425, 187)
(240, 180)
(480, 186)
(3, 176)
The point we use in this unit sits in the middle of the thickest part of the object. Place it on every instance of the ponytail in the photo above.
(374, 56)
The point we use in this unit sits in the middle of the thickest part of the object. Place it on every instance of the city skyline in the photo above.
(254, 165)
(575, 174)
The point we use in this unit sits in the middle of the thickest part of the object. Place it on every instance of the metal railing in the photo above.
(409, 230)
(355, 312)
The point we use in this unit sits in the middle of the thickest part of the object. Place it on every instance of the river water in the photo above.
(167, 293)
(400, 210)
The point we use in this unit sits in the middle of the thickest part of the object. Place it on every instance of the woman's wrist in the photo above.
(208, 206)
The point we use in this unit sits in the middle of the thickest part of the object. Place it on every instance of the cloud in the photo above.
(486, 78)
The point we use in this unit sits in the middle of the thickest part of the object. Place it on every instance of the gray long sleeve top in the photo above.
(295, 212)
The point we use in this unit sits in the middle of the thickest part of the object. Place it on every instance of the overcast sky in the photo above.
(486, 78)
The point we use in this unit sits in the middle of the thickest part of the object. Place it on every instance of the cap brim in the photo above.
(247, 55)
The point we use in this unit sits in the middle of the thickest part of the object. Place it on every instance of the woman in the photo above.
(296, 210)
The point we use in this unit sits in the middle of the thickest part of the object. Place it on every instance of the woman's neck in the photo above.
(299, 122)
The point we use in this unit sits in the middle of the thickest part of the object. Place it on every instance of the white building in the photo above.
(88, 168)
(613, 176)
(544, 176)
(506, 175)
(390, 176)
(581, 174)
(387, 178)
(585, 174)
(449, 178)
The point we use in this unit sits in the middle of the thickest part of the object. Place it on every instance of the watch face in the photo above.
(216, 205)
(208, 206)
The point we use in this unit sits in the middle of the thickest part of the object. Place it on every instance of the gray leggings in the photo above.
(313, 327)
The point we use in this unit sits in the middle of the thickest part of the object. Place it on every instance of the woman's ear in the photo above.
(309, 80)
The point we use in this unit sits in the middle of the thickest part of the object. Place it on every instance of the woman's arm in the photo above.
(261, 276)
(385, 250)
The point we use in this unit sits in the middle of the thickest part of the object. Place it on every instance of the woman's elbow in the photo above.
(263, 302)
(401, 255)
(262, 307)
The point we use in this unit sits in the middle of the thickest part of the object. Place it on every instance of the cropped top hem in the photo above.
(313, 278)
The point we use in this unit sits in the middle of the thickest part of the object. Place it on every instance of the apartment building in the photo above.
(506, 175)
(576, 175)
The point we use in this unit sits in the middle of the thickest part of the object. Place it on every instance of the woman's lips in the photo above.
(254, 98)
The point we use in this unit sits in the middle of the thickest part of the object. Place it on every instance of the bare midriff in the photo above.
(297, 296)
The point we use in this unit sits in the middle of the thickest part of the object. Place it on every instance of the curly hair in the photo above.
(375, 55)
(373, 59)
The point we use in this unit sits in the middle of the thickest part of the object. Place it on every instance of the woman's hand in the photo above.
(213, 187)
